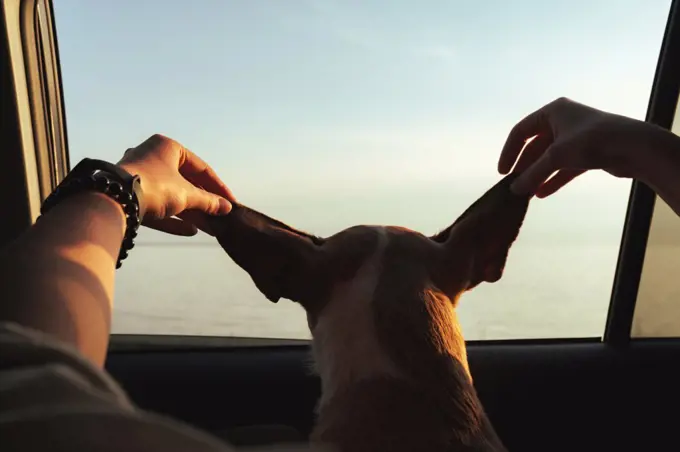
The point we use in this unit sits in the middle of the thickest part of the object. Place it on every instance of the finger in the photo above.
(558, 181)
(198, 219)
(174, 226)
(534, 124)
(532, 152)
(205, 202)
(202, 175)
(533, 177)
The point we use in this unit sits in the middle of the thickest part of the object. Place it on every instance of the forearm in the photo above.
(59, 276)
(660, 167)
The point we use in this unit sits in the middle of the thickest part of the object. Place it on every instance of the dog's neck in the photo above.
(388, 369)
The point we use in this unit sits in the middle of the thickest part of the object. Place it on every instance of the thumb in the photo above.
(208, 203)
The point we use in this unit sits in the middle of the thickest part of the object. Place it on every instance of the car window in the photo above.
(327, 114)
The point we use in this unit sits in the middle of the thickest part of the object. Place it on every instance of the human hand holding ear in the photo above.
(570, 138)
(178, 187)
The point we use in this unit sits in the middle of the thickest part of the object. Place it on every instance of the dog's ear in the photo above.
(283, 262)
(476, 245)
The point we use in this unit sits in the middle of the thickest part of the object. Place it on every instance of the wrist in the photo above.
(99, 209)
(659, 156)
(134, 171)
(659, 165)
(106, 179)
(94, 209)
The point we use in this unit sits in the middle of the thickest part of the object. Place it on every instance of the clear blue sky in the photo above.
(332, 113)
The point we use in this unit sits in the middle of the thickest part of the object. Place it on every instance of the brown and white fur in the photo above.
(380, 304)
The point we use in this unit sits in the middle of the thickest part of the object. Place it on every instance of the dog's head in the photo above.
(287, 263)
(380, 300)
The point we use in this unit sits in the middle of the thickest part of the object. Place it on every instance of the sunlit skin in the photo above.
(59, 275)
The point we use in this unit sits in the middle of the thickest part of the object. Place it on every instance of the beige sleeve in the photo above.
(53, 399)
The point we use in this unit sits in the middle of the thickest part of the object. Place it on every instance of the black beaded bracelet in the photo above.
(105, 178)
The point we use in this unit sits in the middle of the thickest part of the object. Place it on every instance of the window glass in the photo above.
(657, 311)
(327, 114)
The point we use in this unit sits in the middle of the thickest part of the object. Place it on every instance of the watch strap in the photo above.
(111, 180)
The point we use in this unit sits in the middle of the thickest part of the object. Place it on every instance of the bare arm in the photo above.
(58, 277)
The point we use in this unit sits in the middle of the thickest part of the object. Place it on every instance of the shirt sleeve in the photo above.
(51, 398)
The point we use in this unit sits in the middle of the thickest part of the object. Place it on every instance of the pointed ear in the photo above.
(480, 239)
(282, 261)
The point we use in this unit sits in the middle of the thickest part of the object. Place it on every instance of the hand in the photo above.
(176, 183)
(571, 138)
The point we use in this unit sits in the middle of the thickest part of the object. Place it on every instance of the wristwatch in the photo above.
(111, 180)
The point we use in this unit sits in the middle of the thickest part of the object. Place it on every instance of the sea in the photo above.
(193, 288)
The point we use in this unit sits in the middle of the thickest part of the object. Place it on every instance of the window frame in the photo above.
(37, 110)
(41, 57)
(33, 124)
(21, 185)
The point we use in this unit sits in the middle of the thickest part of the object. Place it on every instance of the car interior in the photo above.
(616, 391)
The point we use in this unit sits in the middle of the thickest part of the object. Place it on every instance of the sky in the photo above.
(326, 114)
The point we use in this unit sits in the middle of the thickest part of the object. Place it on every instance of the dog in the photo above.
(380, 304)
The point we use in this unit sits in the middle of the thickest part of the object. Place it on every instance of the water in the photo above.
(195, 289)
